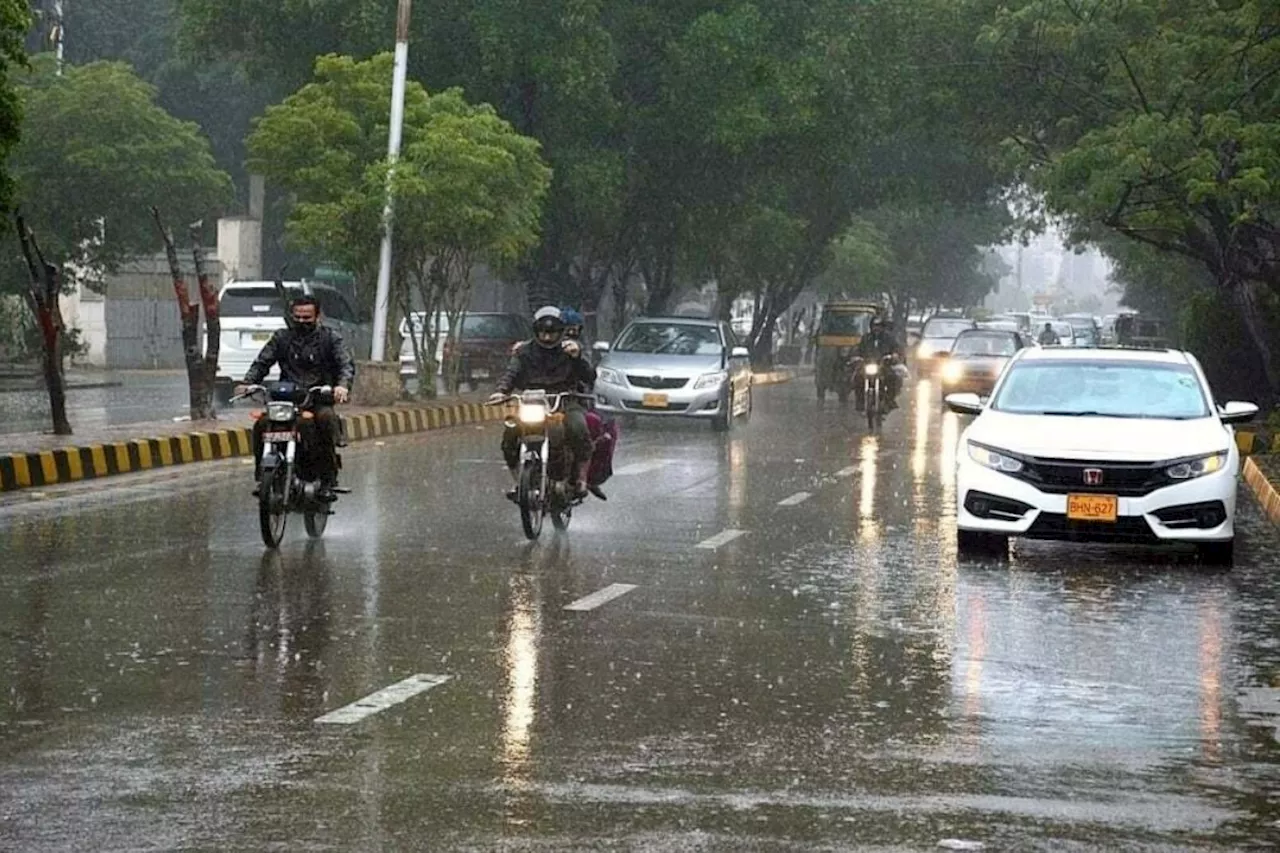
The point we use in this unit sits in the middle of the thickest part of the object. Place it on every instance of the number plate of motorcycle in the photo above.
(655, 401)
(279, 436)
(1092, 508)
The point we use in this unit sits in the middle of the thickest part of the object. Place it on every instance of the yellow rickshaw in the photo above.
(841, 328)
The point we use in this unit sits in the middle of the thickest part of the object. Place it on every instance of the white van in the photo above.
(409, 364)
(251, 311)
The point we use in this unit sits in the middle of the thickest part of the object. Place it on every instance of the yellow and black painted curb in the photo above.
(1262, 488)
(95, 461)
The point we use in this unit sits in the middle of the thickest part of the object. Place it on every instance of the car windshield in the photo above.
(946, 328)
(845, 323)
(252, 302)
(493, 326)
(670, 339)
(1115, 389)
(969, 344)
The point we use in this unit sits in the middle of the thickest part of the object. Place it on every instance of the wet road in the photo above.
(130, 397)
(792, 659)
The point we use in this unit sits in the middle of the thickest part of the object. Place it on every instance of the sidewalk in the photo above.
(38, 459)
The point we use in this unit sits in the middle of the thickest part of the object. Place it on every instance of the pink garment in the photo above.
(604, 440)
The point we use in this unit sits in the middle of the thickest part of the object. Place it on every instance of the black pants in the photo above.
(318, 447)
(576, 437)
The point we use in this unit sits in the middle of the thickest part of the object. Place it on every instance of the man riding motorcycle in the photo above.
(552, 363)
(309, 354)
(878, 343)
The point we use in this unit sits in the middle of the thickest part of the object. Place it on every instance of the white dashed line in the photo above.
(383, 699)
(797, 498)
(600, 596)
(639, 468)
(722, 538)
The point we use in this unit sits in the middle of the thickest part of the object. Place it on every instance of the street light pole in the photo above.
(382, 300)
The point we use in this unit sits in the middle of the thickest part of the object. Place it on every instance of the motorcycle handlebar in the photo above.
(253, 390)
(556, 398)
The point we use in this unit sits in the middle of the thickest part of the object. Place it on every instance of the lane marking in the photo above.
(847, 472)
(383, 699)
(600, 596)
(639, 468)
(721, 538)
(797, 498)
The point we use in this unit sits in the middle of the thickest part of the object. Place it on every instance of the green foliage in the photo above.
(15, 19)
(95, 145)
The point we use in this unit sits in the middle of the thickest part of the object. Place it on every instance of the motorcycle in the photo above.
(875, 389)
(546, 466)
(287, 483)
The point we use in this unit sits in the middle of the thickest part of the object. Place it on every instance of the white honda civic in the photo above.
(1099, 445)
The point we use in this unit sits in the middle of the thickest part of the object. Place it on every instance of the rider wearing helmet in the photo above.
(553, 363)
(573, 323)
(877, 344)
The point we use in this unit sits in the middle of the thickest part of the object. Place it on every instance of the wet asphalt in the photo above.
(821, 674)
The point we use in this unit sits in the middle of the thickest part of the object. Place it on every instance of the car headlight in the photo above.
(872, 369)
(1189, 469)
(609, 375)
(710, 380)
(952, 372)
(994, 459)
(531, 414)
(280, 411)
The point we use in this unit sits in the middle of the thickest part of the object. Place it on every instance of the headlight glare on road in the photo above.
(532, 414)
(1189, 469)
(952, 372)
(280, 412)
(994, 459)
(608, 375)
(710, 380)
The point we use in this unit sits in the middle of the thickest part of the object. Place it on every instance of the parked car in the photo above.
(485, 342)
(1086, 329)
(675, 367)
(1099, 446)
(251, 311)
(936, 339)
(408, 363)
(977, 359)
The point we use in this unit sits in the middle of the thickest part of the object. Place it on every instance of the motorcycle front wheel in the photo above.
(273, 503)
(873, 407)
(529, 496)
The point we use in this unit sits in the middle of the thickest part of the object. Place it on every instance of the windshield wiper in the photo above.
(1087, 414)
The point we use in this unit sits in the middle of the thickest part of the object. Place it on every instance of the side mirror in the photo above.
(740, 352)
(964, 404)
(1238, 413)
(600, 346)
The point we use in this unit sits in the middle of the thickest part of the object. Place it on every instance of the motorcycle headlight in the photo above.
(872, 369)
(609, 375)
(952, 372)
(531, 414)
(280, 411)
(1189, 469)
(710, 380)
(994, 459)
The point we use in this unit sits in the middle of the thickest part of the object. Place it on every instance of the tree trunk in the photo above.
(42, 298)
(202, 401)
(189, 315)
(1246, 297)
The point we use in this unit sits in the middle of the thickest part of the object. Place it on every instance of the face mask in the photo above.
(307, 327)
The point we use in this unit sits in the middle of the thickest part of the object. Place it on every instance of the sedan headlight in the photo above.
(609, 375)
(1189, 469)
(994, 459)
(531, 414)
(952, 372)
(280, 411)
(710, 380)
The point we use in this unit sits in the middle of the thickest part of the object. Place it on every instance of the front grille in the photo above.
(658, 382)
(1063, 476)
(1126, 528)
(641, 407)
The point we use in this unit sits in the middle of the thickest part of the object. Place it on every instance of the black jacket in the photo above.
(876, 345)
(314, 358)
(550, 370)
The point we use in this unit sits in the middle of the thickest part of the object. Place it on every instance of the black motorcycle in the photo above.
(876, 390)
(288, 482)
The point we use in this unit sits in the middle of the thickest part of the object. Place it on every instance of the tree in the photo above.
(1159, 120)
(15, 20)
(201, 372)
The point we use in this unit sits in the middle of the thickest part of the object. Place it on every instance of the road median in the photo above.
(36, 461)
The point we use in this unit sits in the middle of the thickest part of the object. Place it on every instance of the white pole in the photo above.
(58, 35)
(382, 301)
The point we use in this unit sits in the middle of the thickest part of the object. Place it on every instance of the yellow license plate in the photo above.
(1092, 507)
(655, 401)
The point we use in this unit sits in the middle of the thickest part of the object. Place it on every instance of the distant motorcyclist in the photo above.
(1048, 337)
(879, 343)
(553, 363)
(309, 354)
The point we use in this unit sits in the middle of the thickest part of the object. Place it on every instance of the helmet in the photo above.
(548, 327)
(573, 322)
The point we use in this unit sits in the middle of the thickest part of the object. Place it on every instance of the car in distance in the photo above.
(675, 367)
(1099, 445)
(977, 359)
